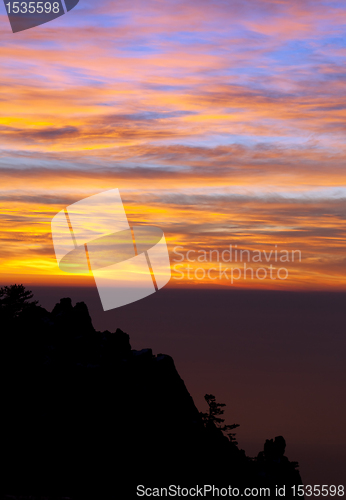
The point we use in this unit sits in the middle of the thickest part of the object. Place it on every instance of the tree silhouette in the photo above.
(213, 417)
(14, 300)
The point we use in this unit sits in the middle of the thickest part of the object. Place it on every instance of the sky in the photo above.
(221, 122)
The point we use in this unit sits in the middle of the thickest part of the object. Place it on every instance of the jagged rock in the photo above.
(83, 409)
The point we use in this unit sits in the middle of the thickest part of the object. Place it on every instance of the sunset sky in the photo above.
(221, 122)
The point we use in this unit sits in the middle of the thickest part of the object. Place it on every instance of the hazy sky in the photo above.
(222, 122)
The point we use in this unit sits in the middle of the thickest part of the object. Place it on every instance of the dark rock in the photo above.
(85, 414)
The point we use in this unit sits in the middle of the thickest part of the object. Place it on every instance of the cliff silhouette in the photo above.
(88, 416)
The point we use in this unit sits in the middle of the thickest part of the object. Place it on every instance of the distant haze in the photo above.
(277, 359)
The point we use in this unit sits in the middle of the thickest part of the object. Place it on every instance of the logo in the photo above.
(128, 263)
(26, 15)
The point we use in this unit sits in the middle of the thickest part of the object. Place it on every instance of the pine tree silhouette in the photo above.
(213, 417)
(14, 300)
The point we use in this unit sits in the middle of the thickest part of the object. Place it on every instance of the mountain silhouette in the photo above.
(88, 416)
